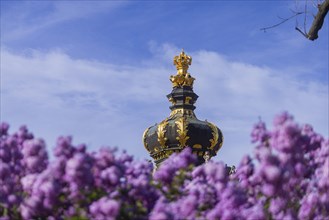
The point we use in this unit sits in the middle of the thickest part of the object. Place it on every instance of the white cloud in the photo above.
(104, 103)
(35, 16)
(236, 94)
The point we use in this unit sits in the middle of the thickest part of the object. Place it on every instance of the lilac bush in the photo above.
(287, 177)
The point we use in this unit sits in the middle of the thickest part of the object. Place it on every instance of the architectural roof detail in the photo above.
(182, 128)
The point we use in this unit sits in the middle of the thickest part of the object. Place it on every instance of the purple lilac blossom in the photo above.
(286, 178)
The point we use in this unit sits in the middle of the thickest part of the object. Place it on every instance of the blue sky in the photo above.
(99, 70)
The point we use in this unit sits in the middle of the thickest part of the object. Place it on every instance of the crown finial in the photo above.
(182, 129)
(182, 78)
(182, 62)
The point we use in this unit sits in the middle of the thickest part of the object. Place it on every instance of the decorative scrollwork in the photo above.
(182, 131)
(161, 133)
(182, 111)
(214, 140)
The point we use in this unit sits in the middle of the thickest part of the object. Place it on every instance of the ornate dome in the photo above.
(182, 128)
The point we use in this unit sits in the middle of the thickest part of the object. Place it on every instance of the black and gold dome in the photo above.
(182, 128)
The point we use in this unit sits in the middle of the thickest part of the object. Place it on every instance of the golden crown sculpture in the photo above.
(182, 128)
(183, 78)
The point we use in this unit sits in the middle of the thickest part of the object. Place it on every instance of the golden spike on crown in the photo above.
(182, 62)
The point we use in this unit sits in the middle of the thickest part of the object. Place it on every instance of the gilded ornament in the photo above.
(197, 146)
(172, 100)
(214, 140)
(144, 138)
(221, 143)
(182, 62)
(161, 133)
(188, 80)
(183, 78)
(182, 131)
(187, 100)
(182, 128)
(180, 80)
(182, 111)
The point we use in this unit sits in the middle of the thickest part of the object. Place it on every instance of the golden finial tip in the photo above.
(182, 61)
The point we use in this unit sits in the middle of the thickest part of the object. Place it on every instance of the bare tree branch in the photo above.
(318, 20)
(284, 20)
(317, 23)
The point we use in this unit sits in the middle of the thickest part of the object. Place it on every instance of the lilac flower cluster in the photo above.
(75, 185)
(286, 178)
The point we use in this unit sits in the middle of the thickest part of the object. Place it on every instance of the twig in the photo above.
(305, 16)
(285, 20)
(300, 31)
